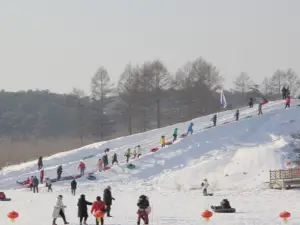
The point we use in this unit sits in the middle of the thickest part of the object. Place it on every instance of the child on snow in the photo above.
(127, 154)
(163, 141)
(138, 151)
(134, 153)
(41, 175)
(287, 102)
(73, 187)
(49, 184)
(81, 167)
(190, 128)
(98, 205)
(100, 165)
(205, 186)
(114, 159)
(175, 134)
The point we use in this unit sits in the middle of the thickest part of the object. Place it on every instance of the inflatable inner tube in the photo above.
(218, 209)
(130, 166)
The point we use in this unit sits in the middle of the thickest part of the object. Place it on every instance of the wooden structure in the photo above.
(285, 178)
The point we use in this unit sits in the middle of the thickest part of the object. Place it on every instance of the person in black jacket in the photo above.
(40, 162)
(59, 172)
(73, 187)
(237, 115)
(214, 119)
(114, 159)
(82, 209)
(105, 160)
(143, 204)
(107, 198)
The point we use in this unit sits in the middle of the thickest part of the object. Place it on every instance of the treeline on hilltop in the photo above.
(146, 96)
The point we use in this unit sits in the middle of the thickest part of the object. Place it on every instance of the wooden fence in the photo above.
(286, 174)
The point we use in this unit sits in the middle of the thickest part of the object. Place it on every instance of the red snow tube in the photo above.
(154, 150)
(169, 142)
(106, 168)
(264, 101)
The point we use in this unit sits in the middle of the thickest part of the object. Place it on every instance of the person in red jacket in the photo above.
(287, 102)
(98, 205)
(41, 176)
(82, 168)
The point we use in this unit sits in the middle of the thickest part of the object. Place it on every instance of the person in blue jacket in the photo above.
(190, 128)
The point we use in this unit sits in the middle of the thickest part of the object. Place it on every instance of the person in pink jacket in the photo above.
(82, 168)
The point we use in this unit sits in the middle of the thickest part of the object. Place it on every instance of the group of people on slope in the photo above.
(175, 134)
(103, 162)
(136, 152)
(98, 205)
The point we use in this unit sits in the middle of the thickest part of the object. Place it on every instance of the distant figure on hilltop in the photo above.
(214, 119)
(190, 129)
(40, 162)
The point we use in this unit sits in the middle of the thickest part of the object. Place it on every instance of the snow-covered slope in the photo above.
(235, 157)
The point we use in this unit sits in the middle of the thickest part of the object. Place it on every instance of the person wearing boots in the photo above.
(73, 187)
(143, 212)
(98, 205)
(107, 198)
(82, 209)
(59, 211)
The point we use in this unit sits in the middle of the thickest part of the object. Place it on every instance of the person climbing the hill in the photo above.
(107, 198)
(82, 209)
(41, 176)
(59, 172)
(35, 184)
(251, 102)
(138, 151)
(100, 165)
(284, 92)
(114, 159)
(105, 160)
(59, 211)
(73, 187)
(190, 128)
(288, 102)
(40, 162)
(163, 141)
(175, 132)
(127, 154)
(237, 115)
(98, 205)
(134, 153)
(205, 185)
(260, 109)
(214, 119)
(49, 184)
(143, 211)
(81, 167)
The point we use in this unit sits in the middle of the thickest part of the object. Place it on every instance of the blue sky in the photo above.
(58, 45)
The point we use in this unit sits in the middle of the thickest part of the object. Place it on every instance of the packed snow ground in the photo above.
(235, 157)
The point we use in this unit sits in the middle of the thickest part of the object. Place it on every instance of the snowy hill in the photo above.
(235, 157)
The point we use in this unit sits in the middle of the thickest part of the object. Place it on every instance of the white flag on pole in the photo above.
(223, 100)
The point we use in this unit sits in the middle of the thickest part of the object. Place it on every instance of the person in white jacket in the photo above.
(59, 211)
(138, 151)
(205, 185)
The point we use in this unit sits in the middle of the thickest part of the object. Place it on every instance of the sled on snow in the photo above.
(168, 143)
(65, 178)
(247, 117)
(106, 168)
(219, 209)
(131, 166)
(154, 150)
(183, 135)
(208, 194)
(226, 122)
(5, 199)
(91, 177)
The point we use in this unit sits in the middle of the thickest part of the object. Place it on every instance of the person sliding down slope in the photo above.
(144, 210)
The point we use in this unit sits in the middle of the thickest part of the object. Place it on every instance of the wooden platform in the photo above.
(285, 179)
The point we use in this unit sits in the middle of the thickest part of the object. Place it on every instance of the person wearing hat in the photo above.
(58, 210)
(107, 198)
(98, 205)
(82, 209)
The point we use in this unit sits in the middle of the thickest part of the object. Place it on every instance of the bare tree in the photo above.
(77, 102)
(128, 91)
(243, 83)
(292, 80)
(265, 87)
(102, 91)
(161, 82)
(277, 81)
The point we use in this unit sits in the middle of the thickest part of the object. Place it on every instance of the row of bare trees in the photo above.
(148, 96)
